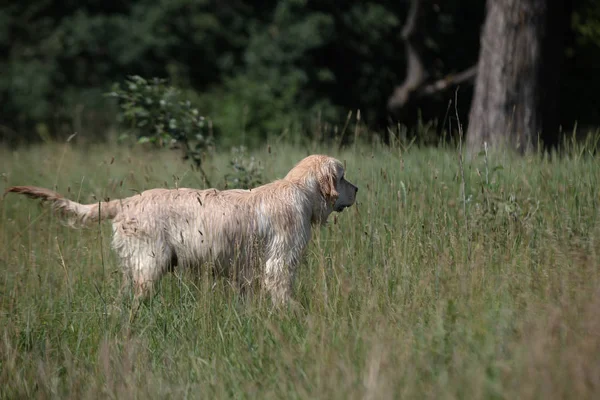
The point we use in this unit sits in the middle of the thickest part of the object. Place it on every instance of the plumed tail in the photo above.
(74, 212)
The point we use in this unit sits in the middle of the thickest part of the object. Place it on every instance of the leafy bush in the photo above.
(157, 114)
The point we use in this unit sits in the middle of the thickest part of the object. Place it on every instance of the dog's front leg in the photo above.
(278, 280)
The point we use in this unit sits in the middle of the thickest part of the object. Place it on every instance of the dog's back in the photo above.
(230, 229)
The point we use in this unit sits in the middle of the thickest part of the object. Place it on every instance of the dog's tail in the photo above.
(74, 212)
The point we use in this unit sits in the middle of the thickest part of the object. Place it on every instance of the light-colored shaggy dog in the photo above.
(238, 232)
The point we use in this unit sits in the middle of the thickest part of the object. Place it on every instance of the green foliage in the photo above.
(273, 92)
(58, 58)
(157, 114)
(586, 22)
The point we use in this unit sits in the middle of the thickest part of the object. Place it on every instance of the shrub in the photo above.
(156, 113)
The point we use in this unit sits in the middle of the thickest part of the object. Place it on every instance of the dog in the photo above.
(239, 232)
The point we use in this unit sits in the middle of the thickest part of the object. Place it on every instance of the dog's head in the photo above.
(326, 176)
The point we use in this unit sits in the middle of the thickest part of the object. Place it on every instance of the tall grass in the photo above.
(404, 295)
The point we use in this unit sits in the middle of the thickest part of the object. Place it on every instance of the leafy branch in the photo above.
(157, 114)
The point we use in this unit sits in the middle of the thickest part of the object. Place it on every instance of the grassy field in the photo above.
(417, 292)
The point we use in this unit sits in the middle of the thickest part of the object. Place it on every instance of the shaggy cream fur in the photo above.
(237, 232)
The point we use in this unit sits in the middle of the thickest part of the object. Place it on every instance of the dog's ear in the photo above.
(327, 179)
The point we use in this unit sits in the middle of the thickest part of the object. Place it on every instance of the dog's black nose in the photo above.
(355, 189)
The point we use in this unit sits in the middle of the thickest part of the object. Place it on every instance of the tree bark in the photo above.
(510, 100)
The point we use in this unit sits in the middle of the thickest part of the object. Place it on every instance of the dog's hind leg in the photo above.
(146, 271)
(144, 262)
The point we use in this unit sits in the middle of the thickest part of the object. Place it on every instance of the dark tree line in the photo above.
(263, 68)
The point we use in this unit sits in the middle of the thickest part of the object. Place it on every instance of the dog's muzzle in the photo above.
(340, 208)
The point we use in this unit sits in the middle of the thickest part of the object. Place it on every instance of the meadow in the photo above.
(481, 282)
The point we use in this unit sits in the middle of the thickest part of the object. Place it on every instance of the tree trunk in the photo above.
(510, 98)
